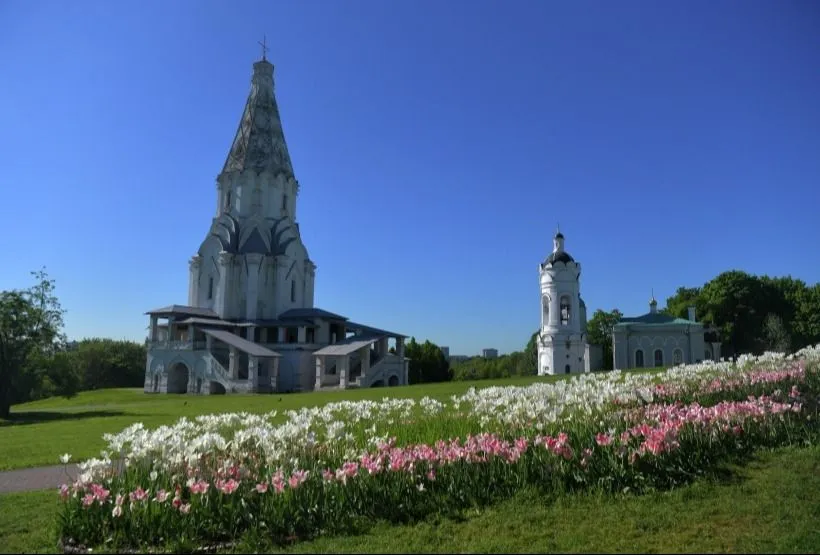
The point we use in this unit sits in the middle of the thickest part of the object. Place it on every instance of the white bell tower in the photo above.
(562, 345)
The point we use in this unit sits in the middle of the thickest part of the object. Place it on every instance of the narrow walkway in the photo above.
(32, 479)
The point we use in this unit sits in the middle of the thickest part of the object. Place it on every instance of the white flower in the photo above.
(153, 475)
(65, 458)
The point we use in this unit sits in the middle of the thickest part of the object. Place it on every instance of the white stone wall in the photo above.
(666, 338)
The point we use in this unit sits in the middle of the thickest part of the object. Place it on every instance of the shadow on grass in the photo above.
(36, 417)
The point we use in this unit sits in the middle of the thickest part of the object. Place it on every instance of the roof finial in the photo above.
(264, 44)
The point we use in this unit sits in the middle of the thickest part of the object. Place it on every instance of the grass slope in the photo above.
(39, 432)
(769, 505)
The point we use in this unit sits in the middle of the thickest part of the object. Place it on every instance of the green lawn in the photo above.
(769, 505)
(39, 432)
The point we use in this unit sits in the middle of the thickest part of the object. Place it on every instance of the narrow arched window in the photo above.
(658, 357)
(228, 200)
(677, 357)
(284, 203)
(210, 288)
(639, 358)
(565, 311)
(292, 291)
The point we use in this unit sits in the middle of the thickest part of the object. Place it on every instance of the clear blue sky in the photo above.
(437, 144)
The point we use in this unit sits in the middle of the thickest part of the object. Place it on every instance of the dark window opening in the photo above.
(210, 288)
(311, 335)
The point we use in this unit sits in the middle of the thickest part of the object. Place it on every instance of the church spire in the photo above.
(259, 143)
(653, 304)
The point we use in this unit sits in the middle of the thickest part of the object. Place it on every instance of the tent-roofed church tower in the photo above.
(562, 345)
(253, 263)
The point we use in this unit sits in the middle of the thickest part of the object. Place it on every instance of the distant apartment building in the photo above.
(489, 353)
(446, 352)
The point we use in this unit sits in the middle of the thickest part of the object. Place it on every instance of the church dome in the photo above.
(561, 256)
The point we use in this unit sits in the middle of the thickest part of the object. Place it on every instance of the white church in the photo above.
(651, 340)
(250, 324)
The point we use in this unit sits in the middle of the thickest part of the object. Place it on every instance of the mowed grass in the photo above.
(769, 505)
(39, 432)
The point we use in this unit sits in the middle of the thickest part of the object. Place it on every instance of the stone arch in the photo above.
(216, 388)
(178, 376)
(393, 381)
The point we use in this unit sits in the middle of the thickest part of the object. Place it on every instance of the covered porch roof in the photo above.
(183, 310)
(243, 345)
(368, 330)
(347, 346)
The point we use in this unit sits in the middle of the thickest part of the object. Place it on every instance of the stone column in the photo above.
(319, 371)
(233, 364)
(400, 346)
(154, 331)
(274, 374)
(209, 343)
(383, 346)
(282, 333)
(302, 334)
(343, 364)
(254, 261)
(221, 301)
(253, 372)
(365, 351)
(193, 280)
(263, 335)
(250, 333)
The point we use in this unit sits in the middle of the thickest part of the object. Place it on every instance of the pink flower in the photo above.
(603, 439)
(431, 475)
(88, 499)
(227, 487)
(185, 508)
(262, 487)
(64, 492)
(161, 496)
(199, 487)
(117, 511)
(120, 499)
(138, 494)
(328, 475)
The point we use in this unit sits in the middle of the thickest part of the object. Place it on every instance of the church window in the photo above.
(639, 358)
(228, 200)
(210, 288)
(284, 203)
(566, 369)
(658, 357)
(292, 291)
(565, 311)
(677, 357)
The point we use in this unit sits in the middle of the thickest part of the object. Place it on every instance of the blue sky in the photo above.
(437, 145)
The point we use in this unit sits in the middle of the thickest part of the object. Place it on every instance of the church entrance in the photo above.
(566, 369)
(178, 378)
(216, 388)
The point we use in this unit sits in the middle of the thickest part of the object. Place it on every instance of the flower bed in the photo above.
(326, 470)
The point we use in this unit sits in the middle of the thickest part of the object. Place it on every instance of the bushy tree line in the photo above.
(517, 363)
(36, 361)
(427, 362)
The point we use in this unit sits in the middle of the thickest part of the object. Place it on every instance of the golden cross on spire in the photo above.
(264, 44)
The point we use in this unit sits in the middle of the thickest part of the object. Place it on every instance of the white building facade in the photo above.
(250, 324)
(562, 339)
(660, 340)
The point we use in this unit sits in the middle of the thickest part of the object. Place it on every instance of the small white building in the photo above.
(489, 353)
(660, 340)
(562, 339)
(250, 324)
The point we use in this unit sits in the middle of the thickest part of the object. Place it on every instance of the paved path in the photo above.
(43, 477)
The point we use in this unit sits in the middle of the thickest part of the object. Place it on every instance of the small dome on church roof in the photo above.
(559, 235)
(562, 256)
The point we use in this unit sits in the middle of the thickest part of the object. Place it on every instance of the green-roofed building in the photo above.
(656, 339)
